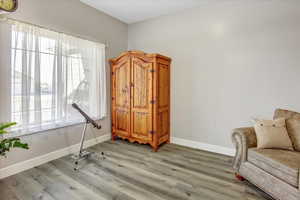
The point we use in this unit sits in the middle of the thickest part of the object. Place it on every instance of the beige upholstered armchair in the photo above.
(274, 171)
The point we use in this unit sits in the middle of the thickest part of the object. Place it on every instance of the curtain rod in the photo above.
(7, 19)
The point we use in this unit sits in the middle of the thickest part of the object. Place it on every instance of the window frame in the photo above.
(6, 39)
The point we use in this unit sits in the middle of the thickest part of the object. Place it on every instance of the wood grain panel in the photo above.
(122, 85)
(164, 102)
(141, 106)
(163, 121)
(122, 122)
(163, 85)
(121, 98)
(142, 81)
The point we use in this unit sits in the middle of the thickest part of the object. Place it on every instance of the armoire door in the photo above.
(141, 99)
(121, 98)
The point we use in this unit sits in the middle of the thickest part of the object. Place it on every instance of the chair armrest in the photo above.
(243, 138)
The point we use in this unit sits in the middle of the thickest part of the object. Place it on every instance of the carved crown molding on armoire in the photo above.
(140, 88)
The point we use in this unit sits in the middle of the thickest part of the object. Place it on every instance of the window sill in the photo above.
(41, 129)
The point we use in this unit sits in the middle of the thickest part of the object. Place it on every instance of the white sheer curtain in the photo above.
(50, 71)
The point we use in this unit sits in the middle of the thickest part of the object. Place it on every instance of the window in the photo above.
(49, 72)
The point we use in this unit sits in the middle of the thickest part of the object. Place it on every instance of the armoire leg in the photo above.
(154, 148)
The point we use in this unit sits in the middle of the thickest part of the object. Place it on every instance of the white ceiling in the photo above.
(131, 11)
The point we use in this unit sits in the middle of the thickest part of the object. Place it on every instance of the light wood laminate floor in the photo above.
(133, 171)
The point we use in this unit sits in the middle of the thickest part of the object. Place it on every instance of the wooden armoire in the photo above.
(140, 86)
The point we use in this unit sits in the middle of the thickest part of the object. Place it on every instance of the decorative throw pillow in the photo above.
(272, 134)
(293, 128)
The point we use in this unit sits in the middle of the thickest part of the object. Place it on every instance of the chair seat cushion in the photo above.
(282, 164)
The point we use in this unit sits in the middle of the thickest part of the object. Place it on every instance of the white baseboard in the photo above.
(203, 146)
(28, 164)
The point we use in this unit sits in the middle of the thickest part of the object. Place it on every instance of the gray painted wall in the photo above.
(231, 62)
(69, 16)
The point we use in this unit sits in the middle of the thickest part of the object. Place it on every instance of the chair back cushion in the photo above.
(287, 114)
(292, 125)
(272, 134)
(293, 128)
